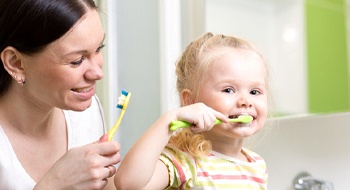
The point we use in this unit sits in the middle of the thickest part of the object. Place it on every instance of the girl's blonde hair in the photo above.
(191, 70)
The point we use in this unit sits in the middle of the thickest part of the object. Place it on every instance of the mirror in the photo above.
(304, 41)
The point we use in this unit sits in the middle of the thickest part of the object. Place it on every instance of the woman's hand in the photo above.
(85, 167)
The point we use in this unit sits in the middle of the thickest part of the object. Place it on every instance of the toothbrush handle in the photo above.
(182, 124)
(178, 124)
(112, 131)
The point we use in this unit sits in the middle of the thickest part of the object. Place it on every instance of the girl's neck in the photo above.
(227, 146)
(229, 149)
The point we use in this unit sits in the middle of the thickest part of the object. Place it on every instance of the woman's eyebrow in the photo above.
(84, 51)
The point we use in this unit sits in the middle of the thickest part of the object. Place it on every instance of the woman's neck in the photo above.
(23, 115)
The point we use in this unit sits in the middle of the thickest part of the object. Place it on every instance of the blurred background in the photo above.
(306, 43)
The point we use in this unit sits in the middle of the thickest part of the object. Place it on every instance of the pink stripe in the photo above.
(233, 177)
(258, 158)
(181, 173)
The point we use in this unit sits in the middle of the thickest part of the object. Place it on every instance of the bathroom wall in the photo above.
(276, 27)
(317, 144)
(132, 63)
(305, 42)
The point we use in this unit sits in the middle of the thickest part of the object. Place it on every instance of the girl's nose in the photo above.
(244, 101)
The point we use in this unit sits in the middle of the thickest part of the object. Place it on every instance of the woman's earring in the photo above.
(21, 82)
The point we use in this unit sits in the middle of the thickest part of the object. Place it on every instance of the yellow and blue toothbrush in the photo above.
(123, 102)
(181, 124)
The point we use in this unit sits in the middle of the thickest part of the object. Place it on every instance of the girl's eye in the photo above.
(254, 92)
(78, 62)
(99, 48)
(229, 90)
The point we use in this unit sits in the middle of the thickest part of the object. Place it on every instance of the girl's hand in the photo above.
(201, 116)
(85, 167)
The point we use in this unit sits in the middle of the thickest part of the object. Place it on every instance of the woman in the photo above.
(49, 115)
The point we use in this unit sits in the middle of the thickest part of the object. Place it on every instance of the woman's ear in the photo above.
(186, 97)
(11, 59)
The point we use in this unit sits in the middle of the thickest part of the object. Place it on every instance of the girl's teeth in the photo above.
(236, 116)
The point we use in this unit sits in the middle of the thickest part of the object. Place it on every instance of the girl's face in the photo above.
(65, 73)
(236, 85)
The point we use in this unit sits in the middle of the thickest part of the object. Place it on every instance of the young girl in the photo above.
(218, 77)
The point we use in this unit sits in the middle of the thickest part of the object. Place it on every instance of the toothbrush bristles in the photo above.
(245, 118)
(121, 99)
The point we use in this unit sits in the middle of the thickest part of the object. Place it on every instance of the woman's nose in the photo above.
(95, 71)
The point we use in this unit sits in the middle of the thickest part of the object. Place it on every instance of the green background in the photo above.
(327, 65)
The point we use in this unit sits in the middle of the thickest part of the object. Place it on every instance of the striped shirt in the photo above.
(215, 171)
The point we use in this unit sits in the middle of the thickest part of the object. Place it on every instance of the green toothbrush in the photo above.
(181, 124)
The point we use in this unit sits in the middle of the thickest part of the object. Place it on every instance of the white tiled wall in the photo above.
(276, 27)
(317, 144)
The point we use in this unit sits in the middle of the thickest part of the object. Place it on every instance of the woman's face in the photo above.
(65, 73)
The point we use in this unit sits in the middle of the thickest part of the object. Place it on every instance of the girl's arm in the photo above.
(141, 167)
(141, 163)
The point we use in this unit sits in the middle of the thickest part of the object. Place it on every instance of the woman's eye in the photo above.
(254, 92)
(99, 48)
(78, 62)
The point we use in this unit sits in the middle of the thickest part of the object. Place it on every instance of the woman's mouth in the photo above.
(82, 90)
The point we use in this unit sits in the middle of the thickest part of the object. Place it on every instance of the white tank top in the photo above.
(83, 128)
